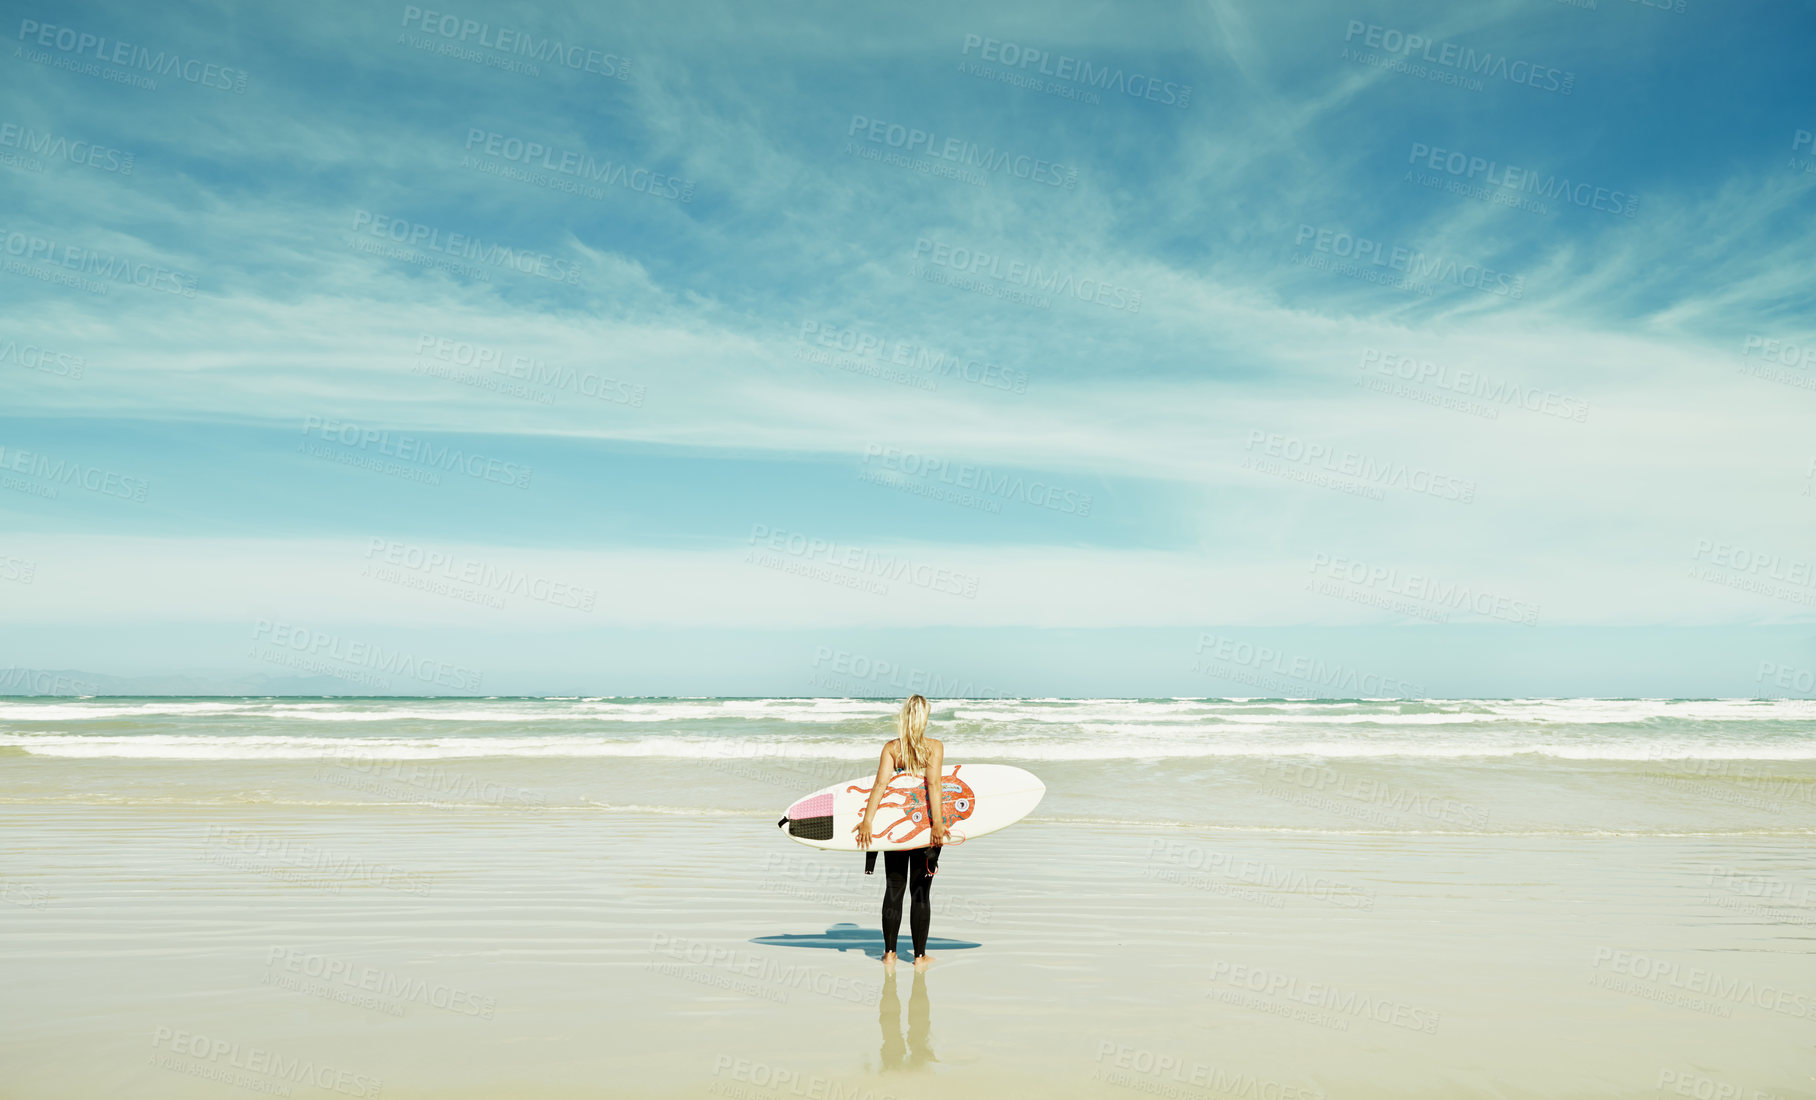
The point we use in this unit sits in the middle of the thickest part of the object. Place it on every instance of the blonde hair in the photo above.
(911, 728)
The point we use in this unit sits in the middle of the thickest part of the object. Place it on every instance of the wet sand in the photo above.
(520, 950)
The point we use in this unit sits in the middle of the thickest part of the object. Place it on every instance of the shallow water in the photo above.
(336, 904)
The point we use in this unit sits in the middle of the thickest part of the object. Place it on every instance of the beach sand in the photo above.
(522, 899)
(575, 927)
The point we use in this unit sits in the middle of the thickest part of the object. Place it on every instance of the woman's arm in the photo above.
(936, 793)
(883, 774)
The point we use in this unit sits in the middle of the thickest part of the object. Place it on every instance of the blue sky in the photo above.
(1025, 346)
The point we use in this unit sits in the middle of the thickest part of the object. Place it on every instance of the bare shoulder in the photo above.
(936, 745)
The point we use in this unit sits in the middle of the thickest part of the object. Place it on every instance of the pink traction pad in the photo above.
(819, 805)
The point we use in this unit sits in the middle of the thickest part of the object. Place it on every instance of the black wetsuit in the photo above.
(911, 871)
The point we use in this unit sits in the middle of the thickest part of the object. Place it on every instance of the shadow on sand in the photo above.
(849, 937)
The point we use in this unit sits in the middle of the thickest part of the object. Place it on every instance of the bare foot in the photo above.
(922, 962)
(888, 962)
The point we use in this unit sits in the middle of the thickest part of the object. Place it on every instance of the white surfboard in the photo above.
(978, 799)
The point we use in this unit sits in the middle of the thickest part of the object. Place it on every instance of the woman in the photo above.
(911, 751)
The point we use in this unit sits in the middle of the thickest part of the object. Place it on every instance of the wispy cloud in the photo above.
(787, 240)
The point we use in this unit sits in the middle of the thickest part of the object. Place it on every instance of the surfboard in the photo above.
(978, 799)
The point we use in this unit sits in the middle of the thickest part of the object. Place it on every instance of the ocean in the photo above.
(1576, 765)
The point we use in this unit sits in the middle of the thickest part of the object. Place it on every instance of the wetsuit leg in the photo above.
(920, 899)
(895, 881)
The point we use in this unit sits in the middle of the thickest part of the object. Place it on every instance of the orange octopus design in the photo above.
(956, 799)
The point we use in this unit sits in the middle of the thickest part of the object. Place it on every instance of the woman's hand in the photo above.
(862, 828)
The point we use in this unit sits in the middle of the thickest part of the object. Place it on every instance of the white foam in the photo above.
(762, 729)
(469, 710)
(88, 711)
(772, 752)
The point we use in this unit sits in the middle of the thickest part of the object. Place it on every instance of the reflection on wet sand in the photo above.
(914, 1050)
